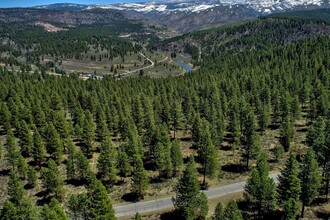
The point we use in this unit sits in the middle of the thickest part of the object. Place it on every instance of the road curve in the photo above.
(143, 68)
(166, 203)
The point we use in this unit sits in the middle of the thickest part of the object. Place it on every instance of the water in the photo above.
(181, 62)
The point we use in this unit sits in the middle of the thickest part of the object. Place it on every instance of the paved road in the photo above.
(151, 64)
(166, 203)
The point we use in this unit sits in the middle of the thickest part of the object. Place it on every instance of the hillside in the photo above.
(76, 148)
(261, 33)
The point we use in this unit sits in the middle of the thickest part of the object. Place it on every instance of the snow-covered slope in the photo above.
(191, 6)
(190, 15)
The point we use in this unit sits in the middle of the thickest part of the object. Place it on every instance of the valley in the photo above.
(165, 110)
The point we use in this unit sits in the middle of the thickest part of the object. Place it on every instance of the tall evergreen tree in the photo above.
(19, 206)
(177, 116)
(176, 157)
(123, 164)
(100, 205)
(39, 150)
(287, 133)
(207, 153)
(12, 149)
(219, 212)
(140, 181)
(260, 189)
(89, 128)
(26, 139)
(52, 179)
(189, 201)
(53, 211)
(107, 161)
(289, 188)
(232, 212)
(310, 179)
(54, 144)
(250, 139)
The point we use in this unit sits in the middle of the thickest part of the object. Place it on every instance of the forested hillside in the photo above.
(263, 33)
(72, 148)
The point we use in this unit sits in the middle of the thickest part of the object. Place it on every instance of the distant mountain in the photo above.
(190, 15)
(261, 33)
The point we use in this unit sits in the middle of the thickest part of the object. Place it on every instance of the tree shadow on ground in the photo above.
(76, 182)
(130, 197)
(5, 172)
(171, 215)
(234, 168)
(44, 200)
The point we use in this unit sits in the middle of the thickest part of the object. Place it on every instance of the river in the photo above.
(181, 62)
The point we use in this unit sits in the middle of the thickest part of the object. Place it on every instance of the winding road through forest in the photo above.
(166, 203)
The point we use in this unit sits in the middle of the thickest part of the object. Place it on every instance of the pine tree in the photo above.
(177, 116)
(260, 189)
(22, 166)
(107, 161)
(9, 211)
(207, 153)
(71, 161)
(54, 144)
(316, 138)
(26, 139)
(32, 177)
(53, 211)
(159, 155)
(278, 151)
(99, 204)
(83, 167)
(123, 165)
(89, 128)
(219, 212)
(12, 149)
(137, 216)
(39, 150)
(176, 157)
(289, 188)
(310, 179)
(250, 139)
(78, 206)
(140, 181)
(232, 212)
(287, 133)
(189, 201)
(52, 179)
(19, 204)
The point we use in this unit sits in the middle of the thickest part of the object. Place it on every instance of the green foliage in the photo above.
(310, 179)
(137, 216)
(78, 206)
(140, 180)
(289, 188)
(107, 161)
(232, 212)
(260, 189)
(99, 204)
(287, 133)
(189, 201)
(123, 165)
(207, 153)
(219, 212)
(278, 152)
(39, 150)
(52, 179)
(176, 156)
(32, 177)
(19, 206)
(53, 211)
(26, 139)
